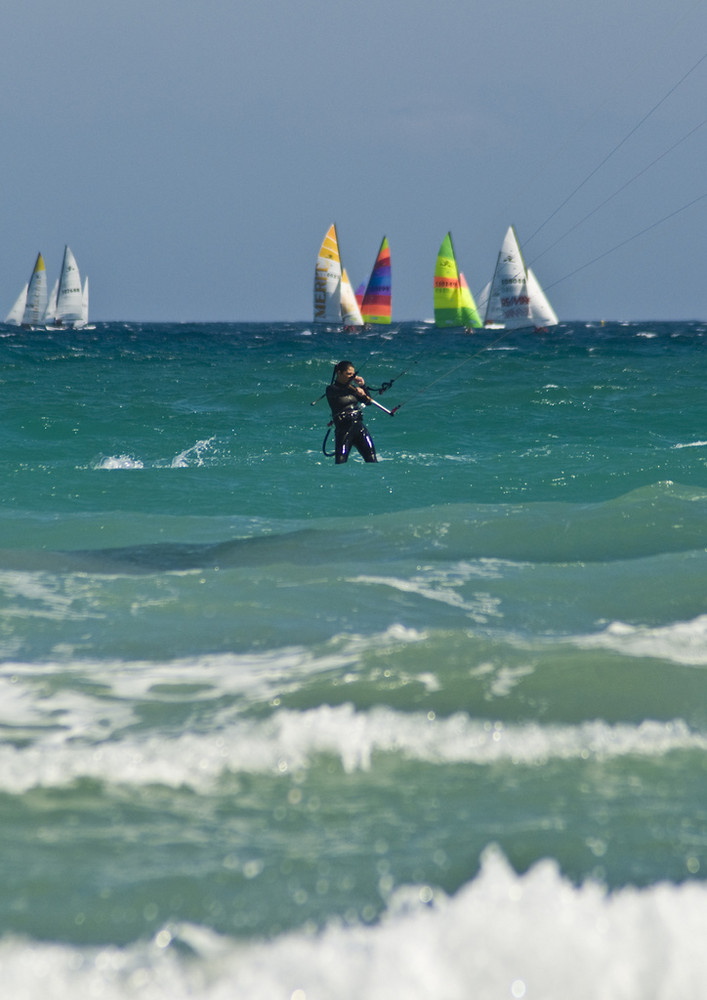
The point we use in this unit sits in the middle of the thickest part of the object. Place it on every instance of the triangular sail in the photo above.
(447, 291)
(470, 314)
(84, 302)
(543, 313)
(453, 302)
(14, 317)
(515, 298)
(376, 306)
(350, 312)
(36, 295)
(327, 280)
(69, 301)
(50, 312)
(509, 302)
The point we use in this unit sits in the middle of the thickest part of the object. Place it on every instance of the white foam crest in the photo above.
(290, 741)
(503, 936)
(119, 462)
(193, 455)
(680, 642)
(439, 586)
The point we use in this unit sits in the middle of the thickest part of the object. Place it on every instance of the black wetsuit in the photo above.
(349, 429)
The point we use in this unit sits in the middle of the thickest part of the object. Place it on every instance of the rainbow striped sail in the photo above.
(327, 280)
(376, 305)
(453, 302)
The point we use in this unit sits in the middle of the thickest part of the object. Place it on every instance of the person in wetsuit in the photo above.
(344, 395)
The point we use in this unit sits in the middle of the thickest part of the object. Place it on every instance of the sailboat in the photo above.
(36, 295)
(327, 280)
(30, 305)
(334, 299)
(70, 311)
(376, 305)
(453, 302)
(515, 298)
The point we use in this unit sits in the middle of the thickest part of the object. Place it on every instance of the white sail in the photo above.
(327, 280)
(36, 303)
(69, 307)
(350, 312)
(509, 301)
(14, 317)
(50, 311)
(84, 302)
(543, 313)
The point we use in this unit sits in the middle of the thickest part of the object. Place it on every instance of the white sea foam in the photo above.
(503, 936)
(193, 455)
(119, 462)
(680, 642)
(87, 746)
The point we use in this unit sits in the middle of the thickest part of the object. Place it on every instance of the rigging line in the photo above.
(618, 146)
(629, 240)
(619, 190)
(649, 57)
(451, 371)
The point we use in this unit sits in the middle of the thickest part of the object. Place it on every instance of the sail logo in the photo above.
(515, 300)
(320, 280)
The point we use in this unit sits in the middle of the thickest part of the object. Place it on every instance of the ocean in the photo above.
(276, 729)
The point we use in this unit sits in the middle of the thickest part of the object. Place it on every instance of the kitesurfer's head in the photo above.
(344, 371)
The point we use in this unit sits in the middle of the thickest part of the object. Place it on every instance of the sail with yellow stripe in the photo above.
(36, 302)
(327, 280)
(470, 314)
(453, 302)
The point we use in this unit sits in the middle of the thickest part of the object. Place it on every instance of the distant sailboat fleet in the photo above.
(513, 299)
(65, 308)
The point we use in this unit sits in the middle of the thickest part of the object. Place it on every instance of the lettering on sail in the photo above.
(320, 278)
(515, 300)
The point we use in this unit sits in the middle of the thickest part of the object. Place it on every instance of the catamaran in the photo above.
(376, 305)
(514, 297)
(71, 309)
(334, 299)
(453, 302)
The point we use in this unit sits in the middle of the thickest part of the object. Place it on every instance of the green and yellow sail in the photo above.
(453, 302)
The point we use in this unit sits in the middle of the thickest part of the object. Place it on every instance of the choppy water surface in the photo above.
(435, 727)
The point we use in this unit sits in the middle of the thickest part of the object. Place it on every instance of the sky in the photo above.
(193, 153)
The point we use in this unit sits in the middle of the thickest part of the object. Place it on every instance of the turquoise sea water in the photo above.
(435, 727)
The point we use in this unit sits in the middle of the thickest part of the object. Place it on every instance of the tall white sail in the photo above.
(36, 303)
(84, 302)
(69, 300)
(543, 313)
(327, 280)
(509, 301)
(14, 317)
(350, 312)
(50, 311)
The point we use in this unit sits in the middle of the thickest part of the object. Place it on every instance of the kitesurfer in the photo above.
(345, 395)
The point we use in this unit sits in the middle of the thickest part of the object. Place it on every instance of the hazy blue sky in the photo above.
(193, 152)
